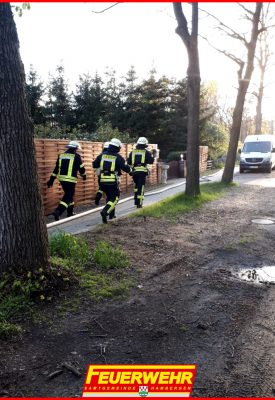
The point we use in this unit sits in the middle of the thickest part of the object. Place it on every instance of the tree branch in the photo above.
(182, 28)
(226, 53)
(246, 10)
(225, 28)
(105, 9)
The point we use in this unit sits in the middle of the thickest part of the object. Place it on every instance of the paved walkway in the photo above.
(87, 220)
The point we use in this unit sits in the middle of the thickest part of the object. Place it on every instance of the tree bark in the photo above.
(259, 115)
(193, 87)
(23, 234)
(242, 90)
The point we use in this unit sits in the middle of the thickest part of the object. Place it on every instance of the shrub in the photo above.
(175, 155)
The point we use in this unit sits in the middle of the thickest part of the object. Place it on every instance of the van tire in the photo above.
(241, 170)
(269, 169)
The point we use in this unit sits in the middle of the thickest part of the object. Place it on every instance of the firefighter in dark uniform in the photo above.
(67, 166)
(138, 160)
(99, 193)
(110, 163)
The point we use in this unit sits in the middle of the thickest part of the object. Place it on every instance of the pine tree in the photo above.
(59, 108)
(35, 91)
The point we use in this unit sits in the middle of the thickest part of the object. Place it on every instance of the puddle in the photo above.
(258, 275)
(262, 221)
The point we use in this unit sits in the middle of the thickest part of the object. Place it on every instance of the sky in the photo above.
(86, 40)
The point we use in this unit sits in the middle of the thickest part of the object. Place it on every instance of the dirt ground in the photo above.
(187, 306)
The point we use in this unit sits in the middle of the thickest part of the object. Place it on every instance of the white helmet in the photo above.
(142, 140)
(74, 145)
(116, 142)
(106, 145)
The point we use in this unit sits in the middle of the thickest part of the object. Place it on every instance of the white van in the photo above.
(258, 153)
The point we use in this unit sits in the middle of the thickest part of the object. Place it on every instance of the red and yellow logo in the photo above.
(130, 381)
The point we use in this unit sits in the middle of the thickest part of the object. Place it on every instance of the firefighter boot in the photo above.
(70, 211)
(112, 215)
(104, 216)
(97, 198)
(56, 215)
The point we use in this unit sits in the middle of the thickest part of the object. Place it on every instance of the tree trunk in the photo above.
(259, 116)
(242, 90)
(193, 87)
(235, 133)
(193, 133)
(23, 234)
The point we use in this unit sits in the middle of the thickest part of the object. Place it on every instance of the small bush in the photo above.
(67, 246)
(7, 330)
(175, 155)
(109, 256)
(11, 306)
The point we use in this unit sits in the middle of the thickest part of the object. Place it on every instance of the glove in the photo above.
(50, 182)
(154, 152)
(84, 177)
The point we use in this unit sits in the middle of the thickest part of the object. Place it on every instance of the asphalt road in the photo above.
(88, 221)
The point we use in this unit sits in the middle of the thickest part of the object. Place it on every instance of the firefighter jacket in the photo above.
(67, 166)
(110, 163)
(139, 158)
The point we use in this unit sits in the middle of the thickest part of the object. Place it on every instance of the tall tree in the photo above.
(59, 103)
(263, 57)
(113, 99)
(190, 40)
(150, 108)
(23, 234)
(244, 77)
(35, 91)
(89, 102)
(246, 67)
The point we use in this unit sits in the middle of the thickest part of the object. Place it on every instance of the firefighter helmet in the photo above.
(116, 142)
(142, 140)
(74, 145)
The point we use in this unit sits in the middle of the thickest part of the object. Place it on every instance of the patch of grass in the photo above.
(246, 238)
(69, 305)
(71, 266)
(109, 256)
(7, 329)
(11, 305)
(66, 246)
(183, 328)
(102, 286)
(181, 203)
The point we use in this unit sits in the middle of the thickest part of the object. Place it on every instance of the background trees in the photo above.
(153, 107)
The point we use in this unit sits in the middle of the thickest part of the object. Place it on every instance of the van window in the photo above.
(257, 147)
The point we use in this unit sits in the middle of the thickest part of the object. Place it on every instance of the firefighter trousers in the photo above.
(67, 201)
(112, 195)
(139, 179)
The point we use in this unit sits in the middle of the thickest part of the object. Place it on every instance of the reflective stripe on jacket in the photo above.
(107, 168)
(138, 160)
(67, 166)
